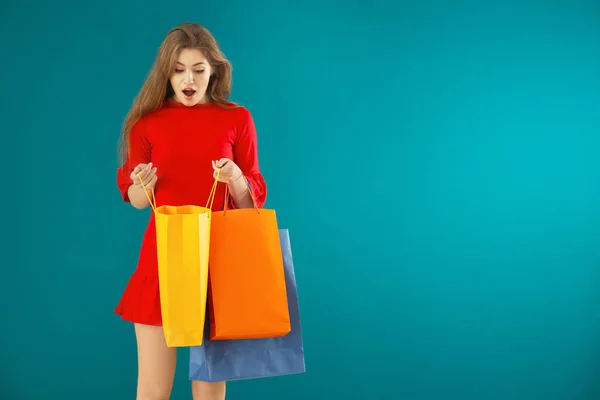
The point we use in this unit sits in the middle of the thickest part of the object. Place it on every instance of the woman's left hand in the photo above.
(229, 170)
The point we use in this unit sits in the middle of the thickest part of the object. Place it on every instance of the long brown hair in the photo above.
(157, 86)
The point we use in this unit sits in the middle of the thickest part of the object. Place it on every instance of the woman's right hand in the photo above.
(148, 175)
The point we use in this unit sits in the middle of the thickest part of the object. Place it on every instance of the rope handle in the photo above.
(211, 196)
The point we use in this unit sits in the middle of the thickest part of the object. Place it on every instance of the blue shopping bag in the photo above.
(227, 360)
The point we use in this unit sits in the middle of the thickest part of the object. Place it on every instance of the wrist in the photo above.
(236, 176)
(237, 186)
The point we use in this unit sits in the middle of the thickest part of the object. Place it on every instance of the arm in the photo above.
(247, 181)
(139, 153)
(240, 191)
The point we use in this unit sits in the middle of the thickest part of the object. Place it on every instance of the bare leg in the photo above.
(156, 363)
(208, 390)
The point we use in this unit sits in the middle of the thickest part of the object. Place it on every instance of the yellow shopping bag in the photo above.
(183, 241)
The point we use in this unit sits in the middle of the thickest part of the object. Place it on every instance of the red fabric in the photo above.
(181, 142)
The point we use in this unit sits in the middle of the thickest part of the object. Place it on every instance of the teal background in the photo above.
(436, 163)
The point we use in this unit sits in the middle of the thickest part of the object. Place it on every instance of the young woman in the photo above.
(180, 130)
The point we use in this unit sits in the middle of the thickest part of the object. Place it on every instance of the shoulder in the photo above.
(231, 108)
(138, 128)
(147, 118)
(239, 114)
(141, 126)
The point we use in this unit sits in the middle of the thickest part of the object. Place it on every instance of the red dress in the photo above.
(181, 142)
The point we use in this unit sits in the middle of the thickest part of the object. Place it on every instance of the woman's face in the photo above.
(190, 77)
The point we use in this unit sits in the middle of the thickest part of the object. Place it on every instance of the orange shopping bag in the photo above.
(247, 292)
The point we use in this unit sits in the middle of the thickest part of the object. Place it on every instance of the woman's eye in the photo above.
(179, 71)
(200, 71)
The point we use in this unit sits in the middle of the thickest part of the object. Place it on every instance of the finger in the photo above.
(141, 178)
(152, 181)
(218, 175)
(143, 182)
(147, 174)
(135, 178)
(152, 175)
(140, 167)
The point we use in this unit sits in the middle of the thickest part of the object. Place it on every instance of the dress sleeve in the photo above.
(139, 152)
(245, 153)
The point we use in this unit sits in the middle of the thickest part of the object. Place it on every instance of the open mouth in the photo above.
(189, 93)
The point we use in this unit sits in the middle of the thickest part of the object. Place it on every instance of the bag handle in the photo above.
(251, 195)
(211, 196)
(213, 191)
(147, 195)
